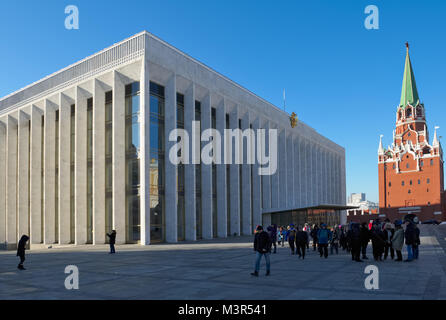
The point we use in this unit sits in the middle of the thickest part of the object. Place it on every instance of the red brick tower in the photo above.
(411, 169)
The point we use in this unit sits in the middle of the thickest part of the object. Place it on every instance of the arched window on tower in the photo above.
(419, 111)
(408, 112)
(399, 115)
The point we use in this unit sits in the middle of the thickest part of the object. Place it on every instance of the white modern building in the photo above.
(86, 150)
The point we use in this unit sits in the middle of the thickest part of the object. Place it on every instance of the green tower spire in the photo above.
(409, 93)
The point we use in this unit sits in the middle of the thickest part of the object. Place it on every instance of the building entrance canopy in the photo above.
(324, 213)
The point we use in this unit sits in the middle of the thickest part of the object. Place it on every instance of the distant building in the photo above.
(364, 208)
(411, 170)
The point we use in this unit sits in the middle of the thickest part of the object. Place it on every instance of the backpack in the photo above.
(292, 235)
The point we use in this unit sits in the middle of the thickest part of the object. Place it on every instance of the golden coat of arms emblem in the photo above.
(293, 120)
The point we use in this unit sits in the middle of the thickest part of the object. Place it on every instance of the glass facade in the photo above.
(132, 155)
(157, 223)
(311, 216)
(180, 175)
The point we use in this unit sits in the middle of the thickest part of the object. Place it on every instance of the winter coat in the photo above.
(273, 234)
(386, 236)
(417, 234)
(291, 234)
(314, 233)
(302, 237)
(410, 234)
(112, 237)
(398, 239)
(21, 246)
(262, 242)
(377, 238)
(364, 235)
(323, 236)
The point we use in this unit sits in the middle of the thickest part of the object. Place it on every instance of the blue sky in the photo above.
(340, 78)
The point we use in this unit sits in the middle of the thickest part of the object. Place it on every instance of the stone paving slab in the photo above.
(220, 269)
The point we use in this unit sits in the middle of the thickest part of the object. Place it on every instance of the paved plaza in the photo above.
(220, 269)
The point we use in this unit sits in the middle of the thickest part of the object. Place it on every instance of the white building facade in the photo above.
(86, 150)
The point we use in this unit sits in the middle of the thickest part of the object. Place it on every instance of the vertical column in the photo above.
(290, 171)
(118, 160)
(266, 179)
(23, 175)
(49, 173)
(11, 182)
(296, 167)
(189, 169)
(234, 172)
(98, 162)
(145, 148)
(80, 167)
(64, 168)
(246, 177)
(36, 176)
(221, 175)
(206, 174)
(343, 191)
(332, 186)
(302, 173)
(256, 185)
(171, 198)
(275, 176)
(282, 169)
(308, 173)
(2, 184)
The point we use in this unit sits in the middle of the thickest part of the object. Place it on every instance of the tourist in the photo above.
(314, 232)
(281, 236)
(417, 239)
(307, 230)
(262, 248)
(388, 232)
(343, 239)
(301, 242)
(334, 243)
(398, 240)
(323, 238)
(291, 237)
(112, 237)
(21, 251)
(272, 232)
(410, 236)
(377, 242)
(365, 239)
(354, 236)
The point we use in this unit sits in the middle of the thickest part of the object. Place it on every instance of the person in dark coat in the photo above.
(378, 242)
(354, 236)
(417, 239)
(314, 236)
(262, 247)
(388, 232)
(301, 242)
(112, 237)
(365, 239)
(272, 232)
(21, 251)
(410, 236)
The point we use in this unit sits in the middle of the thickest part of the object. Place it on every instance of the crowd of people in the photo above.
(388, 239)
